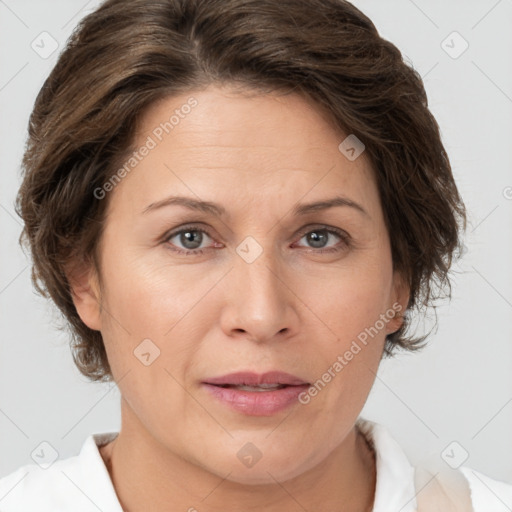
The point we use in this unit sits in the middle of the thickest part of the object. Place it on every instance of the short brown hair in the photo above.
(129, 53)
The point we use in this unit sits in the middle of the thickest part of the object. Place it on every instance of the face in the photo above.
(256, 284)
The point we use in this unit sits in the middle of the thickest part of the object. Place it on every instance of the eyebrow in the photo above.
(218, 210)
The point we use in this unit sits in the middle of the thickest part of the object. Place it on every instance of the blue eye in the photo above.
(321, 235)
(188, 235)
(191, 237)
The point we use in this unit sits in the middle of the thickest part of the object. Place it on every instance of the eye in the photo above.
(319, 237)
(192, 237)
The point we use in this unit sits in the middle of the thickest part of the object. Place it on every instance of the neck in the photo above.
(140, 467)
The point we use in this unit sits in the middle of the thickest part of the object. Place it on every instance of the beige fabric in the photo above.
(442, 490)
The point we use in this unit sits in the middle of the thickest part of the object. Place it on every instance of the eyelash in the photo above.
(190, 252)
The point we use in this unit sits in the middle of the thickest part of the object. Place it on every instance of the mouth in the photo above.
(256, 394)
(257, 380)
(258, 389)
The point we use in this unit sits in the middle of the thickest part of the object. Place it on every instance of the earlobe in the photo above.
(399, 303)
(85, 292)
(396, 322)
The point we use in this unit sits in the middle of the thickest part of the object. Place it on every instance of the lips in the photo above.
(274, 378)
(256, 394)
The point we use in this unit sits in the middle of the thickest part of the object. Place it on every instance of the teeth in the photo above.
(260, 387)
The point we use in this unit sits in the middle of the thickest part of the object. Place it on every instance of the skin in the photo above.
(293, 309)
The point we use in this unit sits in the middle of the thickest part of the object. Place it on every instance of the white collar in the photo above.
(395, 489)
(91, 475)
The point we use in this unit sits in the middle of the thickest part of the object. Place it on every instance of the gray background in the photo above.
(458, 389)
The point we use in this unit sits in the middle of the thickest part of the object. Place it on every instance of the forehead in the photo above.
(243, 120)
(218, 139)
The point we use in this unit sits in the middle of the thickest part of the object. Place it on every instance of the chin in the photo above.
(247, 465)
(263, 474)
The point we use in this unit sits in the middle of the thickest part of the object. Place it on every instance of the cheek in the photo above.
(147, 297)
(351, 301)
(147, 300)
(356, 311)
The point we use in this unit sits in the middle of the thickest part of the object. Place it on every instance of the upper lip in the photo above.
(255, 379)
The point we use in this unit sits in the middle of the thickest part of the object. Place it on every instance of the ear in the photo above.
(85, 292)
(399, 300)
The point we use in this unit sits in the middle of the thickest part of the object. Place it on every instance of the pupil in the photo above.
(187, 236)
(314, 238)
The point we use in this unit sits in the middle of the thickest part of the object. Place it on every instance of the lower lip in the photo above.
(257, 403)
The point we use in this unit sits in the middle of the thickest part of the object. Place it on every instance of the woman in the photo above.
(237, 204)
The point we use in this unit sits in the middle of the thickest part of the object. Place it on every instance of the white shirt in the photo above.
(82, 483)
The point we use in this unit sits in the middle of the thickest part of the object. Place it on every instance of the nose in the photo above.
(259, 302)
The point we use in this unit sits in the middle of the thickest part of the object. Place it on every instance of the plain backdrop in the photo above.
(454, 397)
